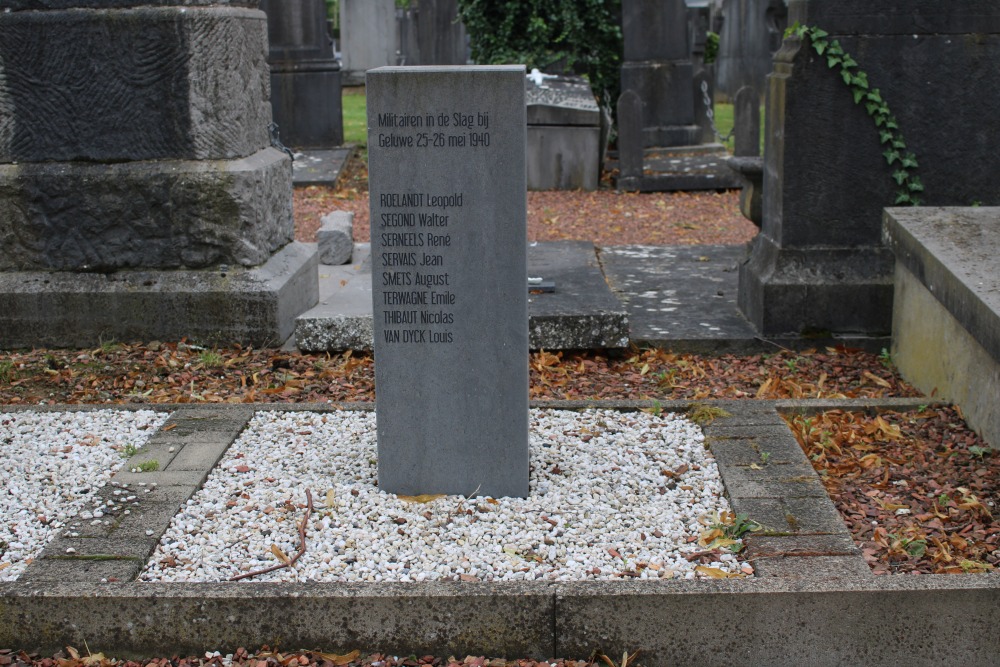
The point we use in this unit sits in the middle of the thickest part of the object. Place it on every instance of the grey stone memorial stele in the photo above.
(447, 183)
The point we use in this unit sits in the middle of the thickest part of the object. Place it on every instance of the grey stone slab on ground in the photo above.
(448, 198)
(680, 295)
(319, 166)
(946, 310)
(812, 578)
(581, 313)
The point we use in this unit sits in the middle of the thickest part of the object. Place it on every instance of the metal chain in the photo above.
(710, 112)
(276, 141)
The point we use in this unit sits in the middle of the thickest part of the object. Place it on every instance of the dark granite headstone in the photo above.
(751, 33)
(305, 77)
(630, 149)
(658, 68)
(746, 117)
(449, 270)
(819, 264)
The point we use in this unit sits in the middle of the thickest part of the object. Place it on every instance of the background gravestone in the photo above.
(139, 194)
(751, 34)
(819, 264)
(305, 76)
(449, 278)
(369, 37)
(657, 67)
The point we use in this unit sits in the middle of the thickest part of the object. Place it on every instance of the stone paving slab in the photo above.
(580, 313)
(319, 167)
(812, 600)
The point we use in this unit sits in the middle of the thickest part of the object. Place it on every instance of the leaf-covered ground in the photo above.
(186, 373)
(603, 216)
(266, 657)
(918, 490)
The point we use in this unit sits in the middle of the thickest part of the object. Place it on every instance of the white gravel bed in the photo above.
(52, 464)
(610, 493)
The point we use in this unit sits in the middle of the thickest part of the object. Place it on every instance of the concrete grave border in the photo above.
(810, 602)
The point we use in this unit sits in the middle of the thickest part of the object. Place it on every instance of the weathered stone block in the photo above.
(154, 215)
(256, 306)
(141, 83)
(335, 238)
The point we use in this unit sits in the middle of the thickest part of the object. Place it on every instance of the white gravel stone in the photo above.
(52, 464)
(612, 494)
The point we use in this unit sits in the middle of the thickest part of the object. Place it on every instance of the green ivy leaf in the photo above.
(832, 60)
(915, 185)
(871, 106)
(850, 62)
(885, 136)
(891, 156)
(819, 46)
(899, 176)
(899, 143)
(819, 33)
(860, 79)
(858, 95)
(846, 76)
(891, 123)
(910, 161)
(903, 197)
(874, 95)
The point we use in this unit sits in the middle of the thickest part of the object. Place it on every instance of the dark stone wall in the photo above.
(826, 181)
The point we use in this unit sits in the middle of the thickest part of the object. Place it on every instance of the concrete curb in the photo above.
(813, 600)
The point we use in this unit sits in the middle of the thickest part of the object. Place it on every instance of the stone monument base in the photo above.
(255, 306)
(152, 214)
(816, 291)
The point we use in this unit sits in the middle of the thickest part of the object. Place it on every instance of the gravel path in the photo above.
(611, 494)
(51, 463)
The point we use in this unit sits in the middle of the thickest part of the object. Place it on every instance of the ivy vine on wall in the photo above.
(903, 161)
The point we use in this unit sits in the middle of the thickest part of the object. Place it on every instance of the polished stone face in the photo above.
(448, 205)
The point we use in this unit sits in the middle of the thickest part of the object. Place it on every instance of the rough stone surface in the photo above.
(104, 217)
(335, 238)
(448, 207)
(825, 178)
(162, 83)
(65, 309)
(946, 314)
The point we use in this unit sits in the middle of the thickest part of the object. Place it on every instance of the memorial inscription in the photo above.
(447, 197)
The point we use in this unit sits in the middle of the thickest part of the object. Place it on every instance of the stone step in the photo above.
(581, 312)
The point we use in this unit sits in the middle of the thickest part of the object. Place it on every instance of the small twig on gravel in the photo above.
(298, 554)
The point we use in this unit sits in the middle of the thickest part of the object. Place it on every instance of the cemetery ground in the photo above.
(916, 488)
